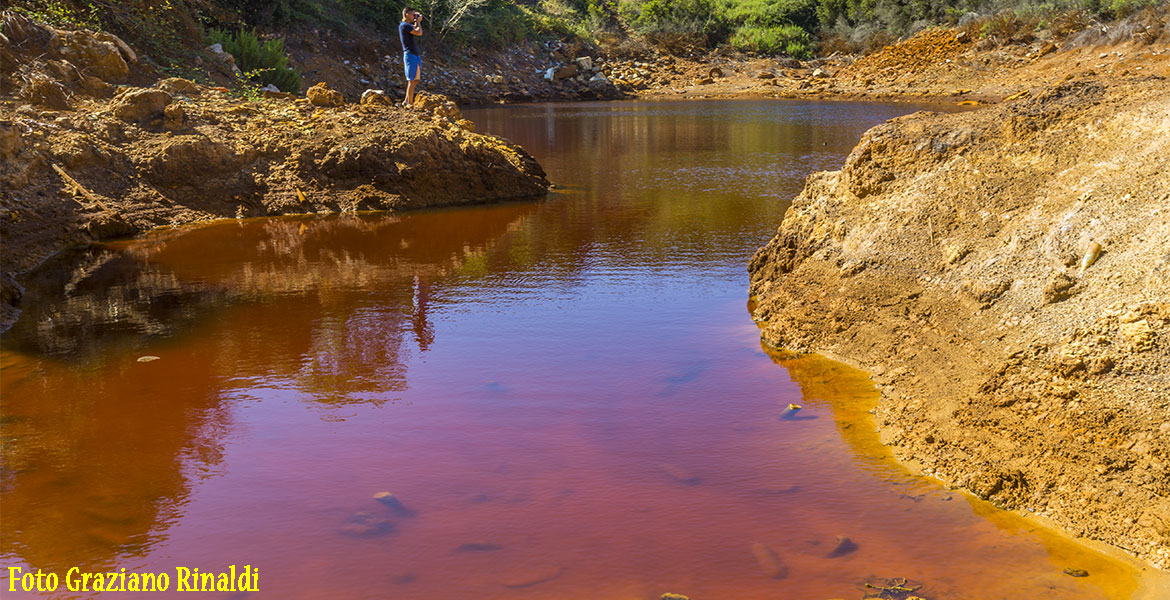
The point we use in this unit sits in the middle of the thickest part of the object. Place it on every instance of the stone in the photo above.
(565, 72)
(962, 37)
(109, 225)
(1071, 572)
(364, 525)
(1059, 287)
(529, 577)
(270, 88)
(322, 95)
(83, 49)
(97, 88)
(141, 104)
(715, 73)
(680, 474)
(466, 125)
(280, 96)
(45, 92)
(599, 78)
(376, 98)
(1138, 335)
(386, 498)
(844, 546)
(148, 358)
(769, 561)
(819, 72)
(478, 547)
(11, 142)
(765, 75)
(173, 116)
(584, 63)
(705, 81)
(216, 48)
(178, 85)
(790, 411)
(670, 596)
(127, 52)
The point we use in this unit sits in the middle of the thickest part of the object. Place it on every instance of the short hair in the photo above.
(406, 12)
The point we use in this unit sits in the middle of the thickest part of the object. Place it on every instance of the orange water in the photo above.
(568, 397)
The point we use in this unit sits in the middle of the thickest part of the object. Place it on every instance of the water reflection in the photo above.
(567, 396)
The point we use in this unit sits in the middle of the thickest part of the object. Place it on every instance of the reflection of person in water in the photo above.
(424, 332)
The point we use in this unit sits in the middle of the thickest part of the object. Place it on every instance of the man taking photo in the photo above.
(408, 29)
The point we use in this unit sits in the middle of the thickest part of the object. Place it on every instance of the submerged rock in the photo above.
(530, 577)
(394, 504)
(769, 561)
(364, 524)
(843, 547)
(680, 474)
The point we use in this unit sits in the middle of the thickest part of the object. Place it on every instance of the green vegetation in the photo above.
(263, 61)
(169, 29)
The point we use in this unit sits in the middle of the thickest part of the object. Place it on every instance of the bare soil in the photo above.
(1004, 275)
(113, 162)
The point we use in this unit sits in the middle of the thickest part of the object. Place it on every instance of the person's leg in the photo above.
(413, 66)
(410, 92)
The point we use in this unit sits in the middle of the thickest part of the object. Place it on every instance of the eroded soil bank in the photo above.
(91, 161)
(1004, 275)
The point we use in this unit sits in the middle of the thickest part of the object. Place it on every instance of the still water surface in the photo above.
(568, 397)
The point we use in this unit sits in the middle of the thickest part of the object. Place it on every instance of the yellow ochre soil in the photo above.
(1004, 273)
(121, 161)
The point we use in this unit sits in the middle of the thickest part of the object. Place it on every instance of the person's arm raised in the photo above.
(417, 26)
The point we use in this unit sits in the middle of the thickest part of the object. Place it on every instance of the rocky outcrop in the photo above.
(143, 160)
(1004, 276)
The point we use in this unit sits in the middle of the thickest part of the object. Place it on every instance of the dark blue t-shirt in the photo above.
(404, 33)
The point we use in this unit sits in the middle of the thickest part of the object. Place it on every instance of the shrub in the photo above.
(686, 17)
(265, 60)
(786, 39)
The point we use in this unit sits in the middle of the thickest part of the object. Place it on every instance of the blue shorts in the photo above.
(412, 63)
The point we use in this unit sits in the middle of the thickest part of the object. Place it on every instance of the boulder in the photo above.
(178, 85)
(45, 92)
(564, 72)
(173, 116)
(819, 72)
(322, 95)
(584, 63)
(83, 49)
(97, 88)
(376, 98)
(127, 52)
(141, 104)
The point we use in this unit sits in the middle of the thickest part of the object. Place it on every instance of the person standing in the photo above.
(408, 29)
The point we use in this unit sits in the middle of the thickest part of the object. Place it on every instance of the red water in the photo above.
(568, 397)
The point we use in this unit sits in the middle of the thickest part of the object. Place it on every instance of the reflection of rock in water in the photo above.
(100, 448)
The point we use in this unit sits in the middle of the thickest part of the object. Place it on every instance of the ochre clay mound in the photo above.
(1005, 275)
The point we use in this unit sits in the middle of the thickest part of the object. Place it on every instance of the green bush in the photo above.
(265, 60)
(674, 16)
(772, 13)
(786, 39)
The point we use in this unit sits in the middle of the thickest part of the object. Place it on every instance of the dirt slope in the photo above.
(83, 160)
(956, 258)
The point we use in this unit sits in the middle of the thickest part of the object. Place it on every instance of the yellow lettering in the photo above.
(207, 582)
(12, 577)
(69, 583)
(182, 573)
